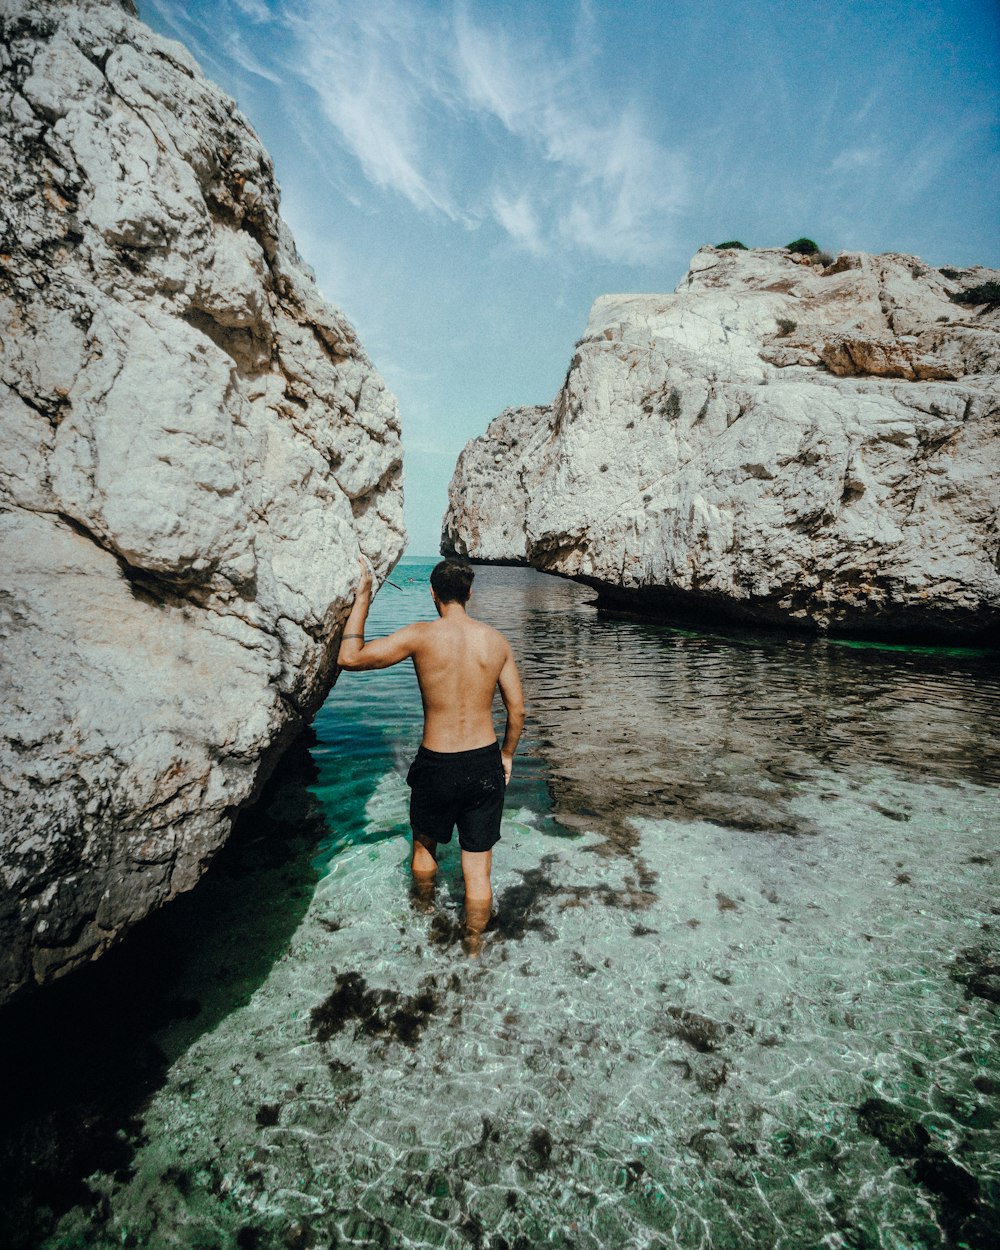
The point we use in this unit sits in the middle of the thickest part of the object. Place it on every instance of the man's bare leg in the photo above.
(476, 867)
(424, 866)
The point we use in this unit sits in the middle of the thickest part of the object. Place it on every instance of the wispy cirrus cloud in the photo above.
(236, 48)
(378, 81)
(203, 38)
(855, 159)
(255, 10)
(440, 106)
(603, 181)
(518, 217)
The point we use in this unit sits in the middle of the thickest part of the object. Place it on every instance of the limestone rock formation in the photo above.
(194, 447)
(777, 442)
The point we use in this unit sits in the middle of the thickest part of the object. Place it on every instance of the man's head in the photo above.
(451, 581)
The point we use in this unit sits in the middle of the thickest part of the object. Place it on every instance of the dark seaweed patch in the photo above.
(948, 1179)
(379, 1013)
(268, 1114)
(540, 1148)
(180, 1180)
(710, 1075)
(632, 1173)
(514, 917)
(957, 1193)
(898, 1132)
(978, 969)
(700, 1032)
(472, 1229)
(445, 929)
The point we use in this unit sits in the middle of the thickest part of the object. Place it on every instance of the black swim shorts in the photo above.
(464, 788)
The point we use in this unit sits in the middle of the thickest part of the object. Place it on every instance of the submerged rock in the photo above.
(698, 1031)
(775, 442)
(978, 969)
(194, 446)
(894, 1127)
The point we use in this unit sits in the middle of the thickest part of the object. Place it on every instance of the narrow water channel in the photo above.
(741, 988)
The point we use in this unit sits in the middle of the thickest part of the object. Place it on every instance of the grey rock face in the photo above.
(774, 442)
(194, 447)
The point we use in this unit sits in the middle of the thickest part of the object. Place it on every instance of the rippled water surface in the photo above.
(740, 989)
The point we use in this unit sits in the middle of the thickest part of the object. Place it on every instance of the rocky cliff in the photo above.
(193, 449)
(779, 441)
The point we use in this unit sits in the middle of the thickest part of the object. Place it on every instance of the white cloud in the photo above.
(236, 48)
(465, 122)
(609, 184)
(866, 106)
(851, 159)
(255, 10)
(205, 38)
(495, 79)
(181, 27)
(375, 80)
(517, 216)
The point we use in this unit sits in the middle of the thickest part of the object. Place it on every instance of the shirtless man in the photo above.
(460, 773)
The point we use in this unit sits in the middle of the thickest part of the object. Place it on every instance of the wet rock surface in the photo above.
(776, 442)
(194, 446)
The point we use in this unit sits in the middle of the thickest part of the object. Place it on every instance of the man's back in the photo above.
(459, 663)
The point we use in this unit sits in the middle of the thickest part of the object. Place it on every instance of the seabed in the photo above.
(680, 1032)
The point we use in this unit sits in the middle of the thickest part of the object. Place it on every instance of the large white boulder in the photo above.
(194, 448)
(778, 441)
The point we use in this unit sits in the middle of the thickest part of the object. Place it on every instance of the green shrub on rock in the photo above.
(732, 244)
(803, 247)
(987, 293)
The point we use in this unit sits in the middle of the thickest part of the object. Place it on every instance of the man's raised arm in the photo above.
(513, 700)
(355, 654)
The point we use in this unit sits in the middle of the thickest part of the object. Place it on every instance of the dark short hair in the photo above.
(451, 581)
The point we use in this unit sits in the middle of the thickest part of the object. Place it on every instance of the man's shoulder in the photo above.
(418, 630)
(494, 635)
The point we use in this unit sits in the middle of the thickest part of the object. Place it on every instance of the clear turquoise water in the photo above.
(740, 988)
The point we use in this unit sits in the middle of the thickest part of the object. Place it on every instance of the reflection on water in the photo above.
(740, 987)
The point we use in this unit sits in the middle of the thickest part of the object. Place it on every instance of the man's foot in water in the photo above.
(477, 917)
(422, 893)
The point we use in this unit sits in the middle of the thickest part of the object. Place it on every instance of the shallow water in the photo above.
(740, 989)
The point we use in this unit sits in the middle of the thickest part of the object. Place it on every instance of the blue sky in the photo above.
(466, 177)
